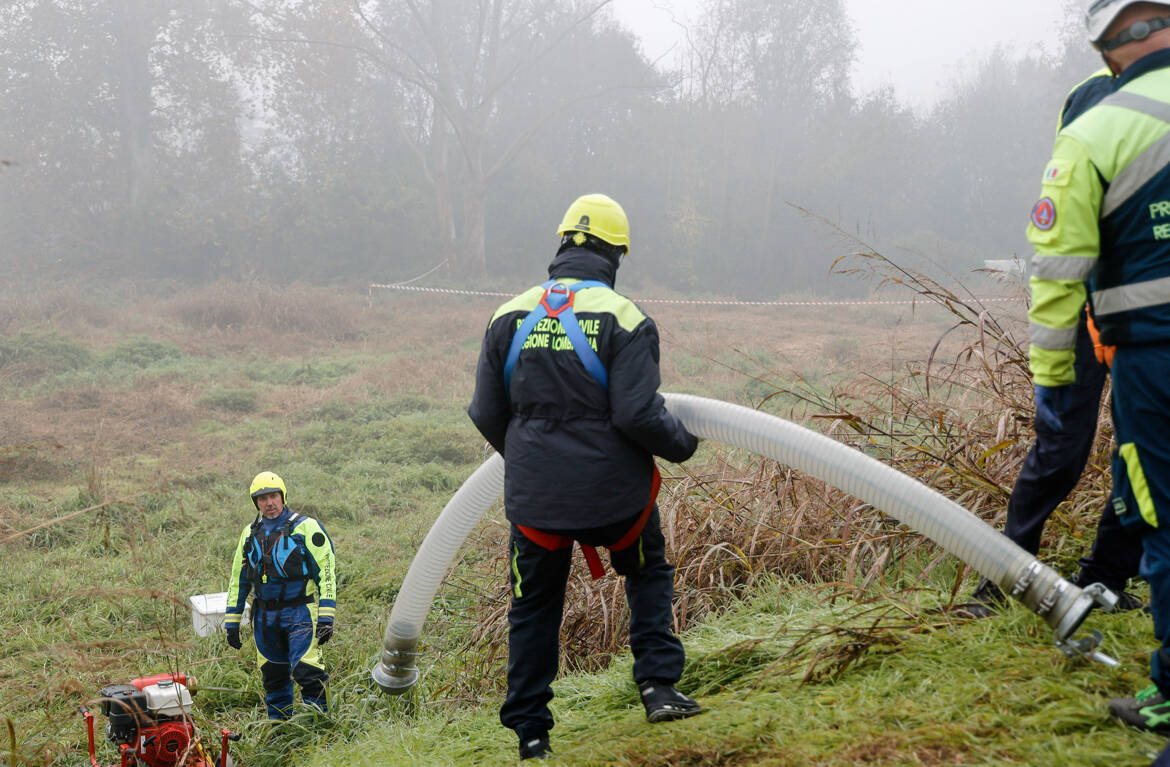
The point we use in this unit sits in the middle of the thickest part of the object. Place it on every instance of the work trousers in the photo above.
(1052, 469)
(538, 579)
(286, 645)
(1141, 411)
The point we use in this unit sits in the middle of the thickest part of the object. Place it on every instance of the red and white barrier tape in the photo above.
(695, 302)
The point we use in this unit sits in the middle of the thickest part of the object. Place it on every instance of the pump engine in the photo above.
(149, 720)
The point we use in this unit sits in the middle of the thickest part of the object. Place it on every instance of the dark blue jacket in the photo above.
(577, 455)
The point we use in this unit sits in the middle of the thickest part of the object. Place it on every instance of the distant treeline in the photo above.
(370, 141)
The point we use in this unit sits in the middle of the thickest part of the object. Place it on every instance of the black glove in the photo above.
(324, 632)
(233, 636)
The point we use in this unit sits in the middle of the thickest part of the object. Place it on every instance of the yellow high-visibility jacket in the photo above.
(1104, 217)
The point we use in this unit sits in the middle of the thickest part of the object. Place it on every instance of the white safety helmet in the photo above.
(1101, 14)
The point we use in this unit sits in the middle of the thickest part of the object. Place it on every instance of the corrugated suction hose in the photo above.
(1060, 603)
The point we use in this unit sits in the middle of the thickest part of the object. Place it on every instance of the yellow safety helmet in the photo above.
(600, 216)
(266, 482)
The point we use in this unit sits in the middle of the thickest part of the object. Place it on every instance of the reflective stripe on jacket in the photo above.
(1104, 216)
(576, 455)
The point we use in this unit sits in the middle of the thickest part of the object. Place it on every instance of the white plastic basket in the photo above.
(208, 612)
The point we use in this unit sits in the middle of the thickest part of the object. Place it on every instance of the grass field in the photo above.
(132, 422)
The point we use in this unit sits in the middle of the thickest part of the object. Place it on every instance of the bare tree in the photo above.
(456, 60)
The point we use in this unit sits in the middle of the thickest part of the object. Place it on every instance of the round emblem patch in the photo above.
(1044, 214)
(318, 539)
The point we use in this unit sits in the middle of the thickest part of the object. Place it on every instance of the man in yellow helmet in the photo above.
(1104, 216)
(287, 560)
(567, 392)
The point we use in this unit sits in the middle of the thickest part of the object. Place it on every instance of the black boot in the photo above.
(664, 703)
(987, 599)
(535, 747)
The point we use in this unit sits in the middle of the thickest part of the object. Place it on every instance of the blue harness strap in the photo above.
(557, 302)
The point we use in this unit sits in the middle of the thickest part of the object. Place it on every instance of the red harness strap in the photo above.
(553, 542)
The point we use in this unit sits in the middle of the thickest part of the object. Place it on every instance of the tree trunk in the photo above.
(132, 40)
(133, 30)
(473, 255)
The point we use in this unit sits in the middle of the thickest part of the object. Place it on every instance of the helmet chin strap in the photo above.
(1136, 32)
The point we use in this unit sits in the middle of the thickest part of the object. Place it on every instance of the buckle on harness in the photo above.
(561, 290)
(563, 296)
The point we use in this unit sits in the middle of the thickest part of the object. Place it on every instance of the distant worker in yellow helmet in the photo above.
(285, 559)
(567, 392)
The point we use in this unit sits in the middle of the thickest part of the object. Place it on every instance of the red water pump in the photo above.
(150, 722)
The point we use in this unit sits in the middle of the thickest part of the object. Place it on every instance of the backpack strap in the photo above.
(557, 302)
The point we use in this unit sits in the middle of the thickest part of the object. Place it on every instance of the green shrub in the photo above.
(409, 403)
(43, 352)
(142, 351)
(336, 411)
(333, 410)
(231, 400)
(318, 373)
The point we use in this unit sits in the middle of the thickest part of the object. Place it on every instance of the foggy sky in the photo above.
(221, 142)
(913, 48)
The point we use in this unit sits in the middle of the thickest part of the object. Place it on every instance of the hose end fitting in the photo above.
(1093, 595)
(1062, 605)
(1086, 647)
(392, 681)
(397, 672)
(1065, 606)
(1103, 597)
(1078, 605)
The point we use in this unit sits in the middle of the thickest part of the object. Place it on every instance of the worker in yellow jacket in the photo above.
(1103, 218)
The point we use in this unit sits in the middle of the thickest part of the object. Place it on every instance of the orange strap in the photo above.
(596, 569)
(553, 542)
(1103, 353)
(632, 534)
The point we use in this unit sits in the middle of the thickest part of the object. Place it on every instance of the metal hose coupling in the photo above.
(1064, 606)
(397, 671)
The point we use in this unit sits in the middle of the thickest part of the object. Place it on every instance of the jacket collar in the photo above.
(268, 525)
(583, 264)
(1148, 63)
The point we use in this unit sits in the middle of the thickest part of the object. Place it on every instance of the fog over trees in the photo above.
(348, 141)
